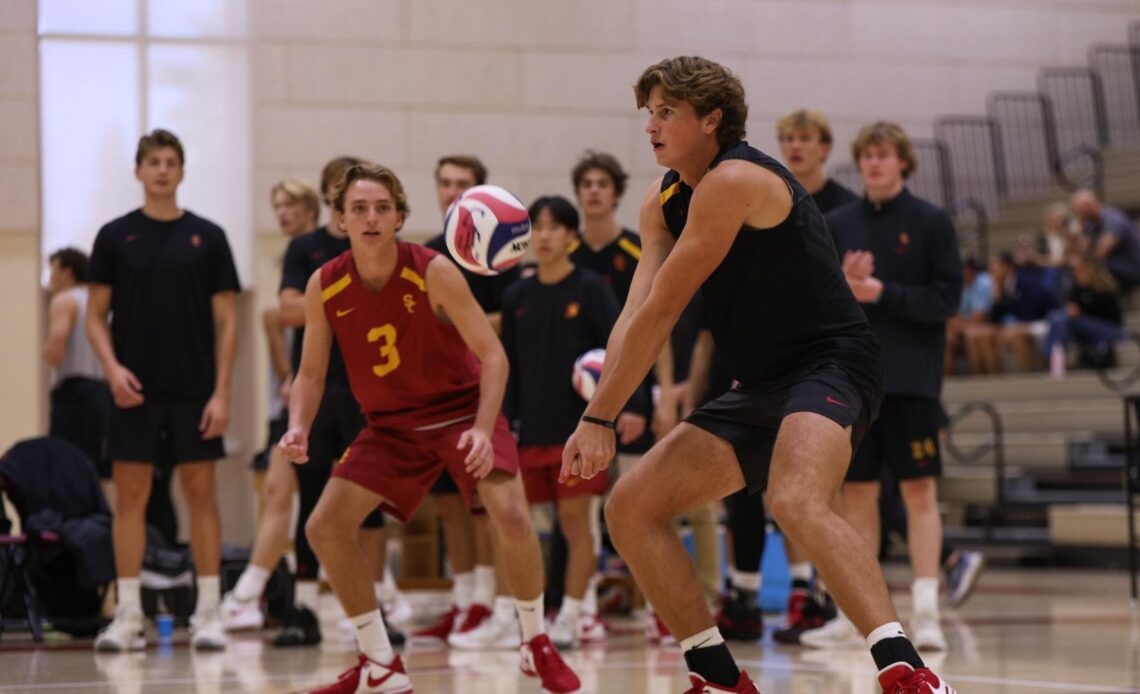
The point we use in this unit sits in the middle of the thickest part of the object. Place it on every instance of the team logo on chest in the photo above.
(195, 240)
(619, 263)
(410, 303)
(572, 310)
(904, 242)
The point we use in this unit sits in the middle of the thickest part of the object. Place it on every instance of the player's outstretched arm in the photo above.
(450, 295)
(309, 384)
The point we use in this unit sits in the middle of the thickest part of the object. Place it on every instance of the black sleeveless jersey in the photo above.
(778, 305)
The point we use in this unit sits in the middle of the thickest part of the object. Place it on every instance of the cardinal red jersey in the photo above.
(407, 368)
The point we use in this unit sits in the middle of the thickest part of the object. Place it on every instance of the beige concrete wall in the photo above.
(21, 301)
(529, 85)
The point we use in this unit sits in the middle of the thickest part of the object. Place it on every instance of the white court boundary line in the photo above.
(320, 674)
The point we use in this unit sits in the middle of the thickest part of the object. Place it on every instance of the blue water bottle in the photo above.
(165, 623)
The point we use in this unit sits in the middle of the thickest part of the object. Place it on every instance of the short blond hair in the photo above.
(882, 133)
(804, 119)
(298, 191)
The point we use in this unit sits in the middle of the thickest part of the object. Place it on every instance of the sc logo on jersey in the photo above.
(410, 303)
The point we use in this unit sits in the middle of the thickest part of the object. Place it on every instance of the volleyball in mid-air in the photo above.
(587, 372)
(487, 230)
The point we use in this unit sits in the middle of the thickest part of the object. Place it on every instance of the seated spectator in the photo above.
(1111, 237)
(1059, 239)
(973, 308)
(1016, 320)
(1091, 317)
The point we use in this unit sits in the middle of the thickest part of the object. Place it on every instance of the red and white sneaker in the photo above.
(700, 685)
(591, 629)
(370, 677)
(657, 632)
(437, 633)
(541, 660)
(473, 617)
(901, 678)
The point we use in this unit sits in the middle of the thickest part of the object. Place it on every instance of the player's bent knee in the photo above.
(320, 530)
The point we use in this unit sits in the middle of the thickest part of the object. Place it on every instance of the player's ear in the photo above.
(712, 120)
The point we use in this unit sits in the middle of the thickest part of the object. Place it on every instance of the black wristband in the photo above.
(607, 423)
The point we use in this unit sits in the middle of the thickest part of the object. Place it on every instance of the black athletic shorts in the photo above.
(749, 417)
(336, 425)
(161, 430)
(444, 484)
(81, 414)
(904, 439)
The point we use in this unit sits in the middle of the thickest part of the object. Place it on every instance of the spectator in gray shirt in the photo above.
(1111, 235)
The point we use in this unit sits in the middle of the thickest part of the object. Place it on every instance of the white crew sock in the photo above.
(462, 588)
(129, 591)
(484, 585)
(708, 637)
(889, 630)
(590, 601)
(571, 609)
(530, 616)
(924, 592)
(251, 583)
(372, 637)
(744, 580)
(306, 595)
(801, 571)
(209, 588)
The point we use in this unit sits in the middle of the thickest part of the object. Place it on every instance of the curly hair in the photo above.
(706, 85)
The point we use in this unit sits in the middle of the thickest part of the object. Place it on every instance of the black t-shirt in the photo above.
(163, 276)
(546, 327)
(487, 289)
(916, 257)
(304, 256)
(832, 195)
(693, 319)
(778, 305)
(615, 261)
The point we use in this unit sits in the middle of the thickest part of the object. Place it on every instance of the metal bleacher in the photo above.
(1034, 465)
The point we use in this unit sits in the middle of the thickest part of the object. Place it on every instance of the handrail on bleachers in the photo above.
(996, 445)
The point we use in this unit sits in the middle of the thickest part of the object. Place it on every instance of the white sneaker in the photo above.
(591, 629)
(838, 633)
(206, 630)
(563, 633)
(397, 609)
(926, 632)
(500, 632)
(241, 615)
(124, 633)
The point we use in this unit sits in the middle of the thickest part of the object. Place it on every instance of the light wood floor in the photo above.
(1024, 631)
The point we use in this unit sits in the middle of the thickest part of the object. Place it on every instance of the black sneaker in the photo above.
(814, 611)
(739, 617)
(301, 629)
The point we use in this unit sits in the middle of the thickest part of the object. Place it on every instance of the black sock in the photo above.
(895, 650)
(715, 664)
(801, 584)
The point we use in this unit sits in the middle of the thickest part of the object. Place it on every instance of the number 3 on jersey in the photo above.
(386, 335)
